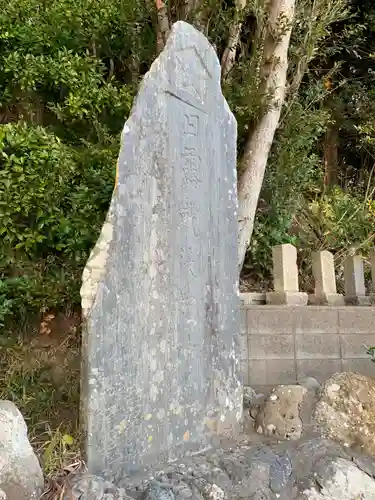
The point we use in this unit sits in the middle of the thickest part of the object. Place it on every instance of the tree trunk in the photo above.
(229, 56)
(331, 140)
(188, 6)
(163, 25)
(274, 71)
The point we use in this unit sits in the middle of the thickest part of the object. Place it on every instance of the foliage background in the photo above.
(69, 72)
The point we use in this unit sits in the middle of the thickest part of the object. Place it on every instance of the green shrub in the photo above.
(53, 200)
(69, 70)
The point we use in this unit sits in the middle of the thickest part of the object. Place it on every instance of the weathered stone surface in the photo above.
(157, 492)
(279, 467)
(309, 383)
(250, 396)
(354, 280)
(21, 476)
(251, 298)
(89, 487)
(159, 294)
(308, 469)
(346, 410)
(280, 415)
(285, 274)
(323, 267)
(340, 479)
(286, 298)
(307, 453)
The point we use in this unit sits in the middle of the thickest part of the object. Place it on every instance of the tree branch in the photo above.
(163, 25)
(229, 56)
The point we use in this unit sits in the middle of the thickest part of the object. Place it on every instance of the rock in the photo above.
(305, 454)
(310, 383)
(161, 269)
(307, 469)
(258, 472)
(346, 410)
(213, 492)
(340, 479)
(366, 464)
(278, 464)
(21, 477)
(280, 416)
(249, 395)
(89, 487)
(157, 492)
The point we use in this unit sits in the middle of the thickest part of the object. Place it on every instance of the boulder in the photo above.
(310, 383)
(280, 414)
(21, 477)
(340, 479)
(346, 410)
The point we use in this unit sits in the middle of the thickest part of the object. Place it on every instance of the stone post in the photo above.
(372, 264)
(323, 267)
(355, 291)
(252, 298)
(285, 273)
(161, 355)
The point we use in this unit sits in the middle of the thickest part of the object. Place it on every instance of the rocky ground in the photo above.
(302, 442)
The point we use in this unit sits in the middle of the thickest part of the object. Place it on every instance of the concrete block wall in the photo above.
(281, 344)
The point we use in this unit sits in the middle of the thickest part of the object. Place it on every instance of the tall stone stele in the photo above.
(160, 374)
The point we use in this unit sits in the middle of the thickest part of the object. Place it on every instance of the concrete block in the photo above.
(316, 320)
(244, 371)
(272, 320)
(356, 320)
(272, 372)
(252, 317)
(317, 346)
(320, 369)
(252, 298)
(352, 346)
(243, 347)
(287, 298)
(275, 346)
(358, 300)
(362, 366)
(326, 299)
(243, 321)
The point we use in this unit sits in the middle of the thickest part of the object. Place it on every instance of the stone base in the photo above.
(372, 298)
(252, 298)
(327, 299)
(358, 300)
(287, 298)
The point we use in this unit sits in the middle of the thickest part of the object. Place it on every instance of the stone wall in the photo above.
(281, 344)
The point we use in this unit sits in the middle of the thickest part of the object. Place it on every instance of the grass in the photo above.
(40, 375)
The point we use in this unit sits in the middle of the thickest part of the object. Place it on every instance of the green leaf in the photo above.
(68, 440)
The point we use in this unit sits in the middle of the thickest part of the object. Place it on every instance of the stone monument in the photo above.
(160, 374)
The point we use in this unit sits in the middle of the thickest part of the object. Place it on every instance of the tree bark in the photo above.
(273, 73)
(331, 168)
(229, 56)
(163, 25)
(188, 6)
